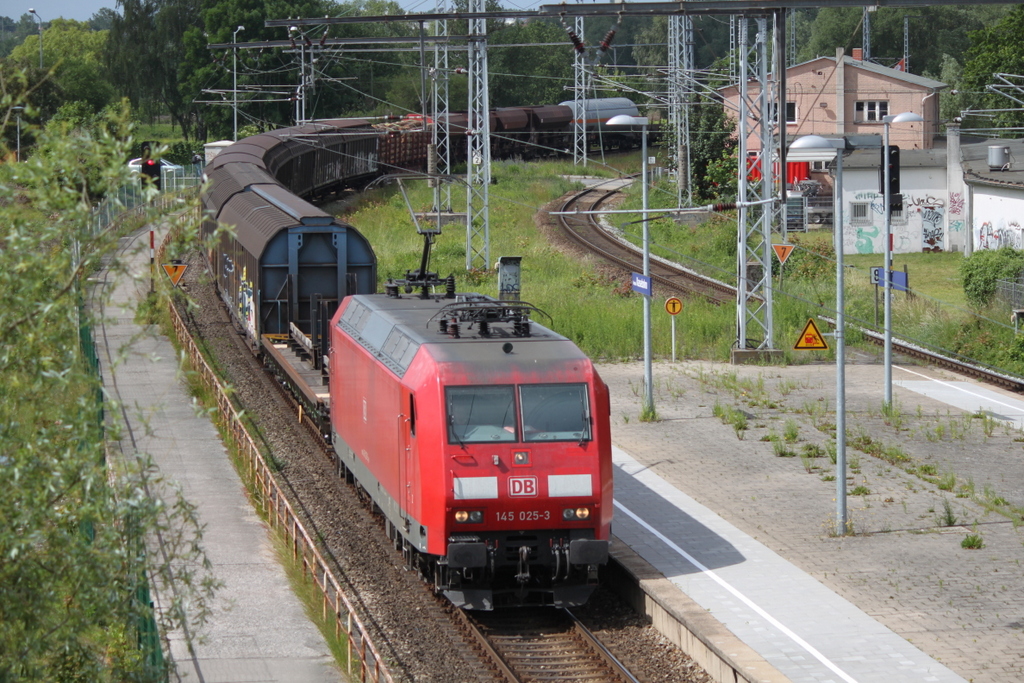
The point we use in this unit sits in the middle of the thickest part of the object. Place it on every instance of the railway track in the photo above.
(585, 231)
(981, 372)
(538, 646)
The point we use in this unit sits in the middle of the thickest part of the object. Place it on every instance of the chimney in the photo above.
(857, 54)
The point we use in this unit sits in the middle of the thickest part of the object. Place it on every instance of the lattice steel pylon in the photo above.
(680, 84)
(757, 119)
(441, 129)
(478, 161)
(581, 83)
(733, 49)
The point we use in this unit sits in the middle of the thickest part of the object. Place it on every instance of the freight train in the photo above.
(512, 511)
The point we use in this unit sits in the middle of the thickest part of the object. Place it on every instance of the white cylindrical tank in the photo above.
(998, 157)
(597, 111)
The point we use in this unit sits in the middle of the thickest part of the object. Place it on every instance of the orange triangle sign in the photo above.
(783, 251)
(175, 271)
(810, 339)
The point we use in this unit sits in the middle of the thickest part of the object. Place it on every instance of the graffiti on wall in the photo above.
(956, 226)
(988, 236)
(932, 233)
(956, 204)
(927, 200)
(865, 243)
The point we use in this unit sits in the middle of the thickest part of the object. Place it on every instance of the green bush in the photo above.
(983, 268)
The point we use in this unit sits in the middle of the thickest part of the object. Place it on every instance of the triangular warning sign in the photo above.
(810, 339)
(783, 251)
(175, 271)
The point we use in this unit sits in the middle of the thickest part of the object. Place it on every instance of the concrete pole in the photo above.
(648, 373)
(837, 228)
(40, 20)
(887, 266)
(234, 80)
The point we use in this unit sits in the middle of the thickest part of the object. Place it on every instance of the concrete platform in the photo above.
(258, 631)
(750, 536)
(798, 625)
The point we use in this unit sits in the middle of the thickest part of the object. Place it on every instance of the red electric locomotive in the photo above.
(482, 437)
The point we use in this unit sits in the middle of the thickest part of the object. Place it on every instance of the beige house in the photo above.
(845, 96)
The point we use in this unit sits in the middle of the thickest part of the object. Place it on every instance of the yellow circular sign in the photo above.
(673, 305)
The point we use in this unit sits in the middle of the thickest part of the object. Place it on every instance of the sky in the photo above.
(82, 10)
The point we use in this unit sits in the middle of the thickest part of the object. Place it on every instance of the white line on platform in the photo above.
(959, 388)
(740, 596)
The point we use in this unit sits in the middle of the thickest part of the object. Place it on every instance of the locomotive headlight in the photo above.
(572, 514)
(582, 513)
(476, 516)
(521, 458)
(461, 516)
(469, 516)
(568, 514)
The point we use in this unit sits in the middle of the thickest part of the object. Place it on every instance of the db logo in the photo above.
(522, 486)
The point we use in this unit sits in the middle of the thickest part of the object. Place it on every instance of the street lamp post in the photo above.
(40, 20)
(626, 120)
(234, 78)
(17, 112)
(905, 117)
(817, 148)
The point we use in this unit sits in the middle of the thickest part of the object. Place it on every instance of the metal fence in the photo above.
(360, 651)
(281, 515)
(1011, 293)
(130, 199)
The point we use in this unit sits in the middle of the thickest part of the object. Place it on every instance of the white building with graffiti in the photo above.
(992, 182)
(956, 197)
(921, 221)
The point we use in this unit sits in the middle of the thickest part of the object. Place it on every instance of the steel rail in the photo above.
(583, 228)
(986, 374)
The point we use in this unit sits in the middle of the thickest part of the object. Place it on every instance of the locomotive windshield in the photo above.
(555, 412)
(550, 412)
(481, 414)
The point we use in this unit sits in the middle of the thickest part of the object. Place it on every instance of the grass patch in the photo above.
(972, 542)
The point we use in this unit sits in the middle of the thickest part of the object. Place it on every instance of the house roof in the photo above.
(909, 78)
(913, 79)
(871, 157)
(976, 168)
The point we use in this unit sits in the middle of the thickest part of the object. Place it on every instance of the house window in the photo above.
(820, 166)
(860, 213)
(790, 111)
(870, 110)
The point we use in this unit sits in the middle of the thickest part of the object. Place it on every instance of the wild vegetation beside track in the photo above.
(594, 305)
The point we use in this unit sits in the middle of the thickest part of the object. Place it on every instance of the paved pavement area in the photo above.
(258, 631)
(761, 516)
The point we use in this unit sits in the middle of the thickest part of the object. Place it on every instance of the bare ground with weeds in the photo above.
(927, 484)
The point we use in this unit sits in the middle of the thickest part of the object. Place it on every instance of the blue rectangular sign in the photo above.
(641, 284)
(898, 279)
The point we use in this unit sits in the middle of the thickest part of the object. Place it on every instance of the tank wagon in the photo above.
(482, 437)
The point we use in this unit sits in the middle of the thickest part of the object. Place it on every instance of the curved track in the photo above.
(585, 231)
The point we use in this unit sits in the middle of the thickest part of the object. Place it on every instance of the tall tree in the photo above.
(528, 74)
(74, 530)
(996, 49)
(931, 32)
(74, 52)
